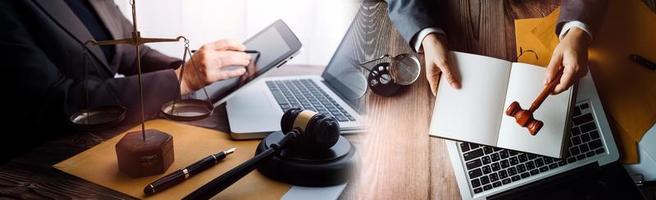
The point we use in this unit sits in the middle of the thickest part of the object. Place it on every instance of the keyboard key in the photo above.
(582, 119)
(472, 154)
(513, 153)
(534, 172)
(590, 154)
(515, 178)
(523, 158)
(503, 154)
(495, 157)
(473, 164)
(532, 156)
(595, 144)
(576, 140)
(496, 184)
(486, 160)
(524, 175)
(588, 127)
(493, 177)
(475, 183)
(574, 151)
(485, 180)
(513, 161)
(576, 131)
(530, 165)
(505, 181)
(548, 160)
(473, 145)
(594, 135)
(475, 173)
(599, 151)
(584, 148)
(553, 166)
(538, 162)
(478, 190)
(487, 169)
(544, 169)
(562, 162)
(505, 164)
(521, 168)
(503, 174)
(495, 166)
(487, 187)
(571, 159)
(580, 157)
(488, 149)
(585, 138)
(464, 147)
(512, 171)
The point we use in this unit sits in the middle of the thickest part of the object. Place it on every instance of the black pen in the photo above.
(643, 61)
(183, 174)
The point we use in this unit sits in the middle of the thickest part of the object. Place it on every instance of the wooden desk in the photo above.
(399, 159)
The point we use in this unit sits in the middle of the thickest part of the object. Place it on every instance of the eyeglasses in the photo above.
(388, 77)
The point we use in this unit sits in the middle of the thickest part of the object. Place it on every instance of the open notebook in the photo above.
(475, 112)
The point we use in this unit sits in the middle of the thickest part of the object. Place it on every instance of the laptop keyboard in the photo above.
(491, 167)
(306, 94)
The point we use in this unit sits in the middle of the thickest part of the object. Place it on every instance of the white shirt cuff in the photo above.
(572, 24)
(422, 34)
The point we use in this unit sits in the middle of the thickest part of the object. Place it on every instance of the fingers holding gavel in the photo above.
(208, 65)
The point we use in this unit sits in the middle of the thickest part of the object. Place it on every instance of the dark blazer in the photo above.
(411, 16)
(43, 67)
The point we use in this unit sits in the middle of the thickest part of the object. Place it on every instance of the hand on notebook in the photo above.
(209, 61)
(571, 55)
(435, 57)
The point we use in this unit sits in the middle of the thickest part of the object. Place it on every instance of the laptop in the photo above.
(484, 172)
(255, 111)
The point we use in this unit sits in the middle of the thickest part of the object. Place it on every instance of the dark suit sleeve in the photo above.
(589, 12)
(44, 94)
(411, 16)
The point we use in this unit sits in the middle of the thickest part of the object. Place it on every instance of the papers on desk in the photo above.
(475, 113)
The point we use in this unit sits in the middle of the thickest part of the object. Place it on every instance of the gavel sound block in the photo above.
(525, 117)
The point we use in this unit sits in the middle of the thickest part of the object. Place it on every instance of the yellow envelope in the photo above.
(190, 144)
(627, 90)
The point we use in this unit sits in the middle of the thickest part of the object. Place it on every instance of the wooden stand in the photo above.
(525, 117)
(140, 156)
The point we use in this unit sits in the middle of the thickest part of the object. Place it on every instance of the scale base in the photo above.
(138, 157)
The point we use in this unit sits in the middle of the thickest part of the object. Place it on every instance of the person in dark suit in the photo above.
(416, 20)
(41, 49)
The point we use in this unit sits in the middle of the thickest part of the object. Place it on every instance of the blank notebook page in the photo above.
(471, 113)
(526, 82)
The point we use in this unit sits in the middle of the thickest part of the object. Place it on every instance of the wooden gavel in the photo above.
(525, 117)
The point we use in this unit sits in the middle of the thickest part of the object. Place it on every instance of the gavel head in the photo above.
(524, 118)
(317, 132)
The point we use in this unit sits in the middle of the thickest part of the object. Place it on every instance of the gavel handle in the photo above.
(545, 92)
(222, 182)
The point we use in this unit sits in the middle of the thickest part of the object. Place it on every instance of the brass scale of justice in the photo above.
(148, 151)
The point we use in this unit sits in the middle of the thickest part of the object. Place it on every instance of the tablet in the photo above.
(276, 45)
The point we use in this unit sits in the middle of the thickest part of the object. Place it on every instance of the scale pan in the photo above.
(187, 109)
(98, 118)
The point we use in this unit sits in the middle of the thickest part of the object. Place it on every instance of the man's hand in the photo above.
(210, 60)
(571, 56)
(435, 57)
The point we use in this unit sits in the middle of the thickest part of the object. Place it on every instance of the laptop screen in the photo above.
(344, 75)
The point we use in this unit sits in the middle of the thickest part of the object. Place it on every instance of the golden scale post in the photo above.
(148, 151)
